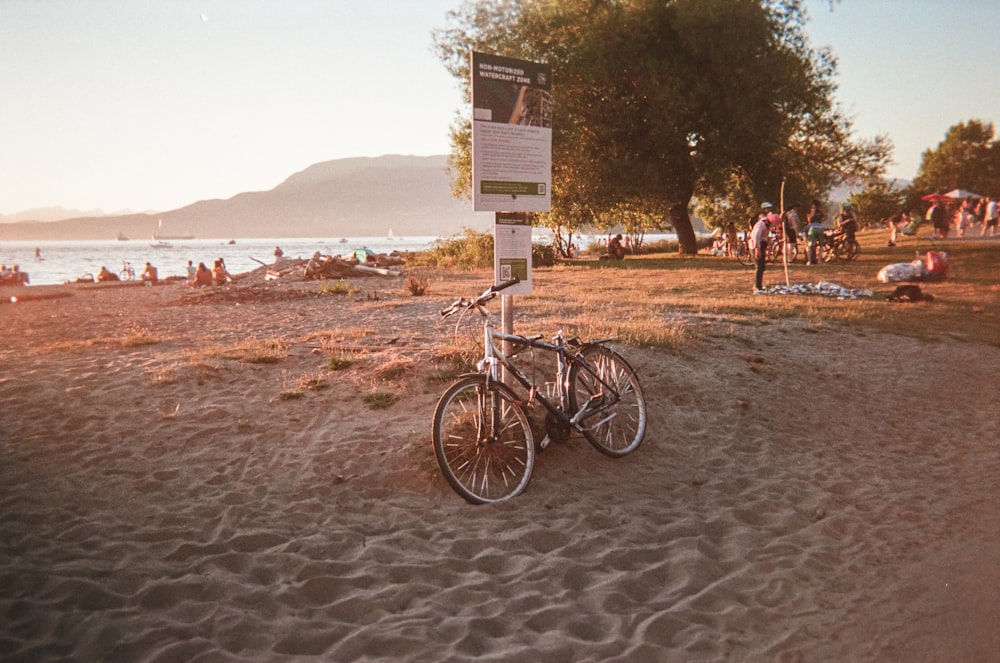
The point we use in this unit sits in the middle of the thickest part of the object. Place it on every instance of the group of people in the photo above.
(201, 275)
(149, 276)
(969, 215)
(786, 227)
(13, 276)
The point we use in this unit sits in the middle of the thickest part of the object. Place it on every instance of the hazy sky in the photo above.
(155, 104)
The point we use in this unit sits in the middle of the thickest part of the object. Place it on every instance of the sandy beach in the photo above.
(183, 478)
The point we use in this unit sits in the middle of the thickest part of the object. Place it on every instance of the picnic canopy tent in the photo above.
(962, 194)
(954, 194)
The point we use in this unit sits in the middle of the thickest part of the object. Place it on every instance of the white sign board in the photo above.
(511, 135)
(512, 251)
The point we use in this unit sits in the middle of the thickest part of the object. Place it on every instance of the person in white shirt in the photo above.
(990, 217)
(758, 245)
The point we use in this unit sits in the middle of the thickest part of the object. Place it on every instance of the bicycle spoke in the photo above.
(482, 441)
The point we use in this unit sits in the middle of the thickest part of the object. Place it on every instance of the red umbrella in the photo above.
(935, 197)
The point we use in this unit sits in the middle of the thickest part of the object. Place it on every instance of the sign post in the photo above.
(511, 160)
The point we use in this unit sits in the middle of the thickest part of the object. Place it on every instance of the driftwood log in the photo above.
(326, 267)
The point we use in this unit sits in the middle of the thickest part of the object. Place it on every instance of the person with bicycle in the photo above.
(847, 223)
(758, 245)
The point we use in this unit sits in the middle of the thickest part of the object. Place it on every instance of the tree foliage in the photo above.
(967, 158)
(879, 201)
(658, 101)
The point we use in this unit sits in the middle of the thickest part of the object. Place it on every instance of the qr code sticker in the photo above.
(505, 273)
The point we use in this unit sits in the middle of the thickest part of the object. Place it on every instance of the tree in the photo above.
(967, 158)
(879, 201)
(659, 100)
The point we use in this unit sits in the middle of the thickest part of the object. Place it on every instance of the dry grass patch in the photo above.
(254, 351)
(136, 336)
(393, 369)
(380, 399)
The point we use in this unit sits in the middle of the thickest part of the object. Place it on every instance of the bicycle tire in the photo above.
(851, 250)
(480, 469)
(618, 424)
(743, 254)
(125, 275)
(791, 252)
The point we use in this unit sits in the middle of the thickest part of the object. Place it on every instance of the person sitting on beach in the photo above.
(149, 274)
(13, 276)
(615, 249)
(192, 271)
(104, 275)
(220, 275)
(278, 253)
(202, 276)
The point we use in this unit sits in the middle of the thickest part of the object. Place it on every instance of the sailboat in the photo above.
(390, 235)
(158, 236)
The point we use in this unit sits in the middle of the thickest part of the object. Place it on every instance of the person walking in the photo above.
(758, 246)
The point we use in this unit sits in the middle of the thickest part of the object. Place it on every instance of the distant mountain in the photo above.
(342, 198)
(55, 214)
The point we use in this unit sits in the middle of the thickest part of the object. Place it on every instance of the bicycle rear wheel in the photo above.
(482, 440)
(848, 250)
(616, 422)
(743, 254)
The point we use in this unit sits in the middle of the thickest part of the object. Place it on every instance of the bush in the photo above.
(543, 255)
(417, 286)
(471, 250)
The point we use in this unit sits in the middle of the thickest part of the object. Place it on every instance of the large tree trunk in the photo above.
(677, 214)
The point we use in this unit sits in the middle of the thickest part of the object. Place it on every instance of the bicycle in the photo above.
(128, 272)
(743, 253)
(482, 437)
(773, 254)
(837, 246)
(774, 247)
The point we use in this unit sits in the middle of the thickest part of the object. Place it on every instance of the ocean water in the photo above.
(63, 261)
(68, 260)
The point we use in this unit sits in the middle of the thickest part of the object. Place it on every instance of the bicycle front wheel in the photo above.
(482, 440)
(615, 421)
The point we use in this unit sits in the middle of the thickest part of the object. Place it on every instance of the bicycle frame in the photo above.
(494, 357)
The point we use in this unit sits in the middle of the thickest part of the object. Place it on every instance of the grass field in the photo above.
(670, 291)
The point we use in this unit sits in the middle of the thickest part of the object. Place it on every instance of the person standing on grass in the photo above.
(990, 216)
(758, 246)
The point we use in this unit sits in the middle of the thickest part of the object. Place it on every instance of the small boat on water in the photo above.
(390, 235)
(159, 236)
(158, 243)
(121, 237)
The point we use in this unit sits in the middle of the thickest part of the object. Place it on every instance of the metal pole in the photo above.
(506, 326)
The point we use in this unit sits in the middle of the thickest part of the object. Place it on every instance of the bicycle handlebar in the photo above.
(487, 295)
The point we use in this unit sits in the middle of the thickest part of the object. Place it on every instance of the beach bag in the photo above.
(902, 271)
(937, 263)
